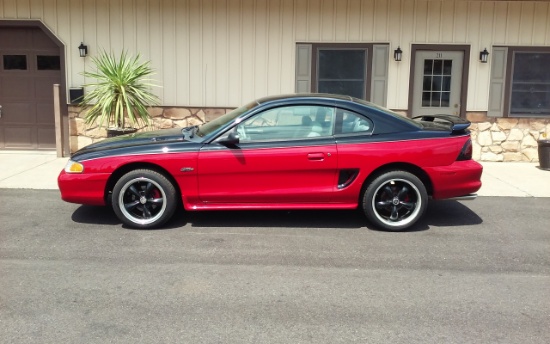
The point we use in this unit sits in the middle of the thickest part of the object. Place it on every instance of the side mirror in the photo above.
(231, 140)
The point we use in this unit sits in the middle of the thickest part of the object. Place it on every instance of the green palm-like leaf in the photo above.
(120, 92)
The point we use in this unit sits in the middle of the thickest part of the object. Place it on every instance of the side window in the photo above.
(288, 123)
(353, 123)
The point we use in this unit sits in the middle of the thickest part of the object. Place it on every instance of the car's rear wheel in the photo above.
(144, 199)
(395, 200)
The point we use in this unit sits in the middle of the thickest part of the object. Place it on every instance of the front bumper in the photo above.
(83, 188)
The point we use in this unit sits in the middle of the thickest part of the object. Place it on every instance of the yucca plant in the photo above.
(120, 94)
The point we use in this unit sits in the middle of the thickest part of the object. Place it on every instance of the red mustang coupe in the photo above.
(312, 151)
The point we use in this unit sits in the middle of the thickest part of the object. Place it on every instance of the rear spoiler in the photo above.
(457, 124)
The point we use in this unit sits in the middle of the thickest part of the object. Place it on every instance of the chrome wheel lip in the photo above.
(130, 216)
(401, 221)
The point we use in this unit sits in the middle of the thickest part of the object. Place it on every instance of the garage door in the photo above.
(29, 66)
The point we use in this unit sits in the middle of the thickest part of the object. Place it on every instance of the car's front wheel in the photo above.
(395, 200)
(144, 199)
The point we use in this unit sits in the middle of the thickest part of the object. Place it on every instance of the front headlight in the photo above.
(74, 167)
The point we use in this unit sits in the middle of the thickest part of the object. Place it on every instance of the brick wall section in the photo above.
(494, 139)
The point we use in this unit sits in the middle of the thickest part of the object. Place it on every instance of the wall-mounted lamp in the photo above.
(83, 49)
(397, 54)
(483, 55)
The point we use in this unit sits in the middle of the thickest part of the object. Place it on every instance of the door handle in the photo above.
(0, 111)
(316, 156)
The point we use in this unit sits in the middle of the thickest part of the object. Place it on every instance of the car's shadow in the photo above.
(97, 215)
(440, 213)
(449, 214)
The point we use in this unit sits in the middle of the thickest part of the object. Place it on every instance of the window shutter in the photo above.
(498, 82)
(379, 80)
(303, 68)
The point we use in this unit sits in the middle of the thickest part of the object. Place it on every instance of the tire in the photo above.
(144, 199)
(395, 200)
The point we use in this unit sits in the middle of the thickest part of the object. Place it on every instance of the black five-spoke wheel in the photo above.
(395, 200)
(144, 199)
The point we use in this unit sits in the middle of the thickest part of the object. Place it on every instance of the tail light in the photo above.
(466, 152)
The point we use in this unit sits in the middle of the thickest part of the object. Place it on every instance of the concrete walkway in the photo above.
(30, 169)
(39, 170)
(514, 179)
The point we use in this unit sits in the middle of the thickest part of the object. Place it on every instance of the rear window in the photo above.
(388, 112)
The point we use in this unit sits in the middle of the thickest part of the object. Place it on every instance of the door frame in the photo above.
(465, 71)
(64, 113)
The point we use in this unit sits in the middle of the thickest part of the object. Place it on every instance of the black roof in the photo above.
(326, 96)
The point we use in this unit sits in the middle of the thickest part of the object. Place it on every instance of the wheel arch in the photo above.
(122, 170)
(401, 166)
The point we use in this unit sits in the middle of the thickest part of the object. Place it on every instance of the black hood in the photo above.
(136, 139)
(137, 142)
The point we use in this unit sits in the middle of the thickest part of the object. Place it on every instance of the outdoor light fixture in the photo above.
(83, 49)
(483, 56)
(397, 53)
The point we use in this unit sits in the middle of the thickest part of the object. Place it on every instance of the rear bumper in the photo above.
(83, 188)
(462, 178)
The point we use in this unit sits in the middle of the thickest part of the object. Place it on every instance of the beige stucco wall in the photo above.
(222, 53)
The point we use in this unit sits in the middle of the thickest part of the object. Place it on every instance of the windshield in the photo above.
(219, 122)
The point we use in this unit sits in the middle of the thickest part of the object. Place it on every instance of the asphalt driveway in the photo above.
(473, 272)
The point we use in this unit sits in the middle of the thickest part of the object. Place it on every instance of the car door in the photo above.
(358, 155)
(284, 155)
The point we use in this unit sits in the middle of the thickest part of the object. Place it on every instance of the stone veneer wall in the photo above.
(82, 135)
(494, 139)
(507, 139)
